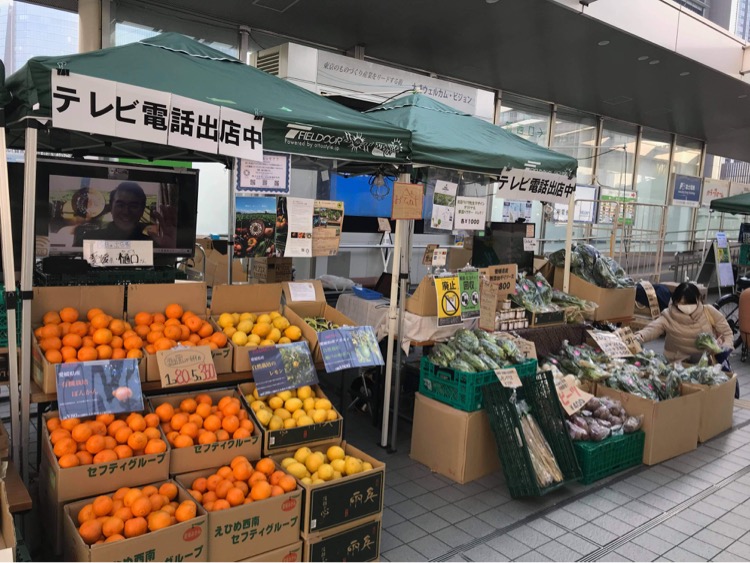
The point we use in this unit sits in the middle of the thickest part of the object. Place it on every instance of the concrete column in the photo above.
(89, 25)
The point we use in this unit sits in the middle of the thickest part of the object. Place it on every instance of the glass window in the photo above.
(653, 167)
(29, 30)
(687, 156)
(617, 155)
(526, 118)
(686, 160)
(575, 135)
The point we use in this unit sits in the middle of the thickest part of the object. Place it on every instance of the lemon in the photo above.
(296, 415)
(366, 466)
(306, 480)
(235, 318)
(293, 333)
(275, 423)
(304, 392)
(245, 326)
(274, 315)
(239, 338)
(313, 462)
(297, 469)
(251, 346)
(287, 461)
(285, 395)
(284, 340)
(275, 403)
(305, 421)
(324, 404)
(283, 414)
(337, 475)
(290, 423)
(254, 338)
(261, 329)
(332, 415)
(225, 320)
(353, 466)
(281, 323)
(325, 472)
(247, 317)
(302, 454)
(338, 465)
(229, 331)
(264, 416)
(308, 404)
(317, 481)
(265, 319)
(255, 393)
(266, 342)
(319, 416)
(274, 335)
(257, 405)
(335, 452)
(292, 404)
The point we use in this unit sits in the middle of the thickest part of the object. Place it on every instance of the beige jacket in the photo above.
(682, 330)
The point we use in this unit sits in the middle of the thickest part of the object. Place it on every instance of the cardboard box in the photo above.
(613, 303)
(257, 298)
(191, 296)
(271, 270)
(458, 258)
(334, 505)
(203, 456)
(109, 298)
(7, 528)
(717, 408)
(214, 270)
(248, 525)
(58, 486)
(454, 443)
(671, 426)
(287, 554)
(4, 442)
(296, 311)
(275, 441)
(182, 541)
(423, 301)
(357, 542)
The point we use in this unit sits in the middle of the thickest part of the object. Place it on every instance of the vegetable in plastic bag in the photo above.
(707, 342)
(575, 432)
(632, 424)
(597, 433)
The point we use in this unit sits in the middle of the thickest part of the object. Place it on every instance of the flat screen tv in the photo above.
(79, 200)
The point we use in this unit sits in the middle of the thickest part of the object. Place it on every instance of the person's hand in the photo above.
(166, 222)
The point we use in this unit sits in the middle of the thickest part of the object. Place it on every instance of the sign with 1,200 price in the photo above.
(186, 366)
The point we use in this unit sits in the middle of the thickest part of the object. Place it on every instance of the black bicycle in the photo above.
(729, 306)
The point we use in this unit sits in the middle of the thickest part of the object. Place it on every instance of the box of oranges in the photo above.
(157, 522)
(206, 429)
(253, 507)
(168, 315)
(252, 316)
(87, 457)
(79, 324)
(293, 418)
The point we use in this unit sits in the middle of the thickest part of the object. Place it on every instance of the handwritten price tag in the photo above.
(508, 377)
(611, 344)
(571, 397)
(186, 366)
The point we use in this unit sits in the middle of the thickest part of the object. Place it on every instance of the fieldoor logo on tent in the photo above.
(304, 136)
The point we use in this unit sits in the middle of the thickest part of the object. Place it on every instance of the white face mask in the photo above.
(688, 309)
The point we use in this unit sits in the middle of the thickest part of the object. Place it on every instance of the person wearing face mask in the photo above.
(685, 318)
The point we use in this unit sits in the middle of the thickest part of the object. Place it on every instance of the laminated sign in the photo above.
(469, 285)
(448, 300)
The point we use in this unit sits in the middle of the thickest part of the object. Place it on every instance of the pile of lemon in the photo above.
(312, 467)
(254, 330)
(290, 409)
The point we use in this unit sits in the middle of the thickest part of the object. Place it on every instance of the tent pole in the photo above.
(9, 276)
(230, 224)
(569, 242)
(27, 274)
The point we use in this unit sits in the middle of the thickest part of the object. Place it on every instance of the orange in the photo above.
(179, 420)
(207, 438)
(221, 504)
(131, 496)
(114, 537)
(112, 526)
(69, 460)
(260, 490)
(144, 319)
(149, 490)
(51, 343)
(142, 331)
(117, 327)
(152, 420)
(205, 330)
(204, 398)
(105, 456)
(199, 485)
(241, 485)
(123, 434)
(174, 311)
(84, 457)
(133, 343)
(212, 423)
(127, 334)
(165, 412)
(231, 407)
(135, 527)
(238, 459)
(136, 422)
(68, 315)
(58, 434)
(137, 441)
(94, 312)
(203, 410)
(49, 331)
(276, 477)
(160, 318)
(87, 354)
(157, 327)
(102, 505)
(81, 432)
(117, 342)
(172, 332)
(225, 472)
(135, 354)
(230, 423)
(100, 321)
(70, 423)
(98, 427)
(105, 419)
(196, 495)
(64, 329)
(184, 332)
(123, 451)
(242, 471)
(104, 351)
(256, 477)
(276, 491)
(219, 338)
(68, 353)
(157, 501)
(51, 317)
(288, 483)
(194, 324)
(73, 340)
(246, 423)
(190, 429)
(235, 497)
(114, 426)
(172, 322)
(169, 490)
(158, 520)
(164, 344)
(119, 354)
(79, 327)
(53, 423)
(171, 436)
(86, 513)
(194, 339)
(141, 506)
(102, 336)
(65, 446)
(183, 441)
(223, 488)
(213, 481)
(266, 465)
(153, 336)
(186, 511)
(188, 405)
(222, 435)
(90, 531)
(88, 341)
(155, 446)
(53, 356)
(95, 444)
(109, 443)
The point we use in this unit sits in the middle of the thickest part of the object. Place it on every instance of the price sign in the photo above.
(186, 366)
(384, 225)
(627, 336)
(571, 397)
(504, 277)
(531, 245)
(610, 343)
(428, 252)
(407, 201)
(487, 305)
(508, 377)
(118, 253)
(470, 213)
(526, 347)
(439, 257)
(282, 367)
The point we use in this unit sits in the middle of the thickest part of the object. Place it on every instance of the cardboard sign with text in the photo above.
(504, 277)
(653, 302)
(186, 366)
(527, 347)
(384, 225)
(627, 336)
(407, 201)
(487, 305)
(508, 377)
(571, 397)
(610, 343)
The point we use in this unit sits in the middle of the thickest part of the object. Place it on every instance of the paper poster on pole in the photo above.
(469, 287)
(686, 190)
(471, 213)
(444, 205)
(448, 300)
(299, 234)
(328, 220)
(407, 201)
(487, 305)
(724, 269)
(272, 176)
(608, 206)
(714, 189)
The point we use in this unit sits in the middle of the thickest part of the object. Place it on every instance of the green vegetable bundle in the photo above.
(475, 351)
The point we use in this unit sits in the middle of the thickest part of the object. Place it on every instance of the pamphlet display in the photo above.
(443, 205)
(282, 367)
(349, 347)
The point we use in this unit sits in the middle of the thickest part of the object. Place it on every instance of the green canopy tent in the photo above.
(179, 73)
(736, 204)
(447, 138)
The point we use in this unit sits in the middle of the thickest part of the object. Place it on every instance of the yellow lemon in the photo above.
(335, 452)
(285, 395)
(274, 335)
(266, 342)
(265, 319)
(313, 462)
(290, 423)
(308, 404)
(353, 466)
(274, 315)
(275, 423)
(251, 346)
(338, 465)
(324, 404)
(245, 326)
(283, 414)
(332, 415)
(225, 320)
(305, 421)
(261, 329)
(325, 472)
(275, 403)
(319, 416)
(239, 338)
(297, 469)
(254, 338)
(337, 475)
(235, 318)
(247, 317)
(306, 480)
(257, 405)
(284, 340)
(366, 466)
(229, 331)
(264, 416)
(293, 333)
(292, 404)
(296, 415)
(281, 323)
(304, 392)
(302, 454)
(287, 461)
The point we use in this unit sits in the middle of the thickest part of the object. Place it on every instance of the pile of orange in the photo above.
(132, 512)
(241, 483)
(163, 331)
(105, 438)
(198, 421)
(65, 339)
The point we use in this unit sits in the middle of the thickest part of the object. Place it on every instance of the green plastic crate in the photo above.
(541, 396)
(460, 389)
(610, 456)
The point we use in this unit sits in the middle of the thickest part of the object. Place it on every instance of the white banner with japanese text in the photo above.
(520, 184)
